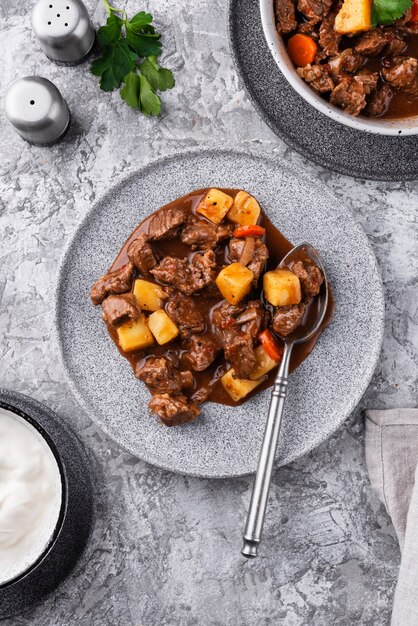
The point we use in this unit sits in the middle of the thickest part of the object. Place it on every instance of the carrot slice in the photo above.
(252, 230)
(270, 345)
(302, 49)
(414, 13)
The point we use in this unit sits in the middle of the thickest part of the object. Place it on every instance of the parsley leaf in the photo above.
(115, 62)
(388, 11)
(139, 21)
(144, 44)
(130, 90)
(110, 33)
(140, 94)
(158, 77)
(129, 51)
(150, 102)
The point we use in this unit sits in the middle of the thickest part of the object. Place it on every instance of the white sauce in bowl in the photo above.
(30, 495)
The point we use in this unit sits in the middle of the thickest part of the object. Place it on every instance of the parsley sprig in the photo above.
(388, 11)
(129, 51)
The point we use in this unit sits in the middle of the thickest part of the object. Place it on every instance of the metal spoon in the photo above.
(258, 504)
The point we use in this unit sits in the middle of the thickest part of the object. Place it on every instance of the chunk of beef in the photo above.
(250, 318)
(287, 318)
(119, 281)
(161, 375)
(185, 276)
(202, 394)
(396, 43)
(310, 29)
(314, 10)
(185, 314)
(174, 410)
(285, 11)
(255, 259)
(141, 254)
(406, 27)
(346, 62)
(401, 73)
(379, 101)
(317, 76)
(310, 276)
(202, 351)
(368, 79)
(119, 309)
(165, 223)
(203, 269)
(239, 351)
(201, 234)
(349, 95)
(372, 42)
(253, 319)
(225, 316)
(237, 327)
(329, 39)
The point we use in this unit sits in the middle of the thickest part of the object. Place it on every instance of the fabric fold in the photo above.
(392, 462)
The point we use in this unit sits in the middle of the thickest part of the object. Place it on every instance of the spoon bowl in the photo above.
(312, 321)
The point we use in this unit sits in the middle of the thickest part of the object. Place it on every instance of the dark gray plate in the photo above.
(75, 524)
(224, 441)
(300, 125)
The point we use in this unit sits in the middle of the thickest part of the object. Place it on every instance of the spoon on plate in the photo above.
(261, 488)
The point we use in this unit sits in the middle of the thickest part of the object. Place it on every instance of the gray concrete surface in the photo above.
(165, 549)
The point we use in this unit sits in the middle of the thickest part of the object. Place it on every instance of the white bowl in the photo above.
(401, 126)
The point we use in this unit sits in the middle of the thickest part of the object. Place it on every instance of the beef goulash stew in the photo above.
(182, 302)
(361, 55)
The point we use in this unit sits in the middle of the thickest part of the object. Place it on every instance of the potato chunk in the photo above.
(134, 335)
(149, 296)
(282, 287)
(354, 16)
(234, 282)
(264, 363)
(162, 327)
(238, 388)
(215, 205)
(245, 209)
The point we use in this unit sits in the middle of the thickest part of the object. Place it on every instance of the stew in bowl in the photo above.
(360, 56)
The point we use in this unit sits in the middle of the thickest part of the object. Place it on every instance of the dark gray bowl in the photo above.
(299, 124)
(76, 515)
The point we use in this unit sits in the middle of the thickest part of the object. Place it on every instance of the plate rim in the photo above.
(143, 170)
(304, 152)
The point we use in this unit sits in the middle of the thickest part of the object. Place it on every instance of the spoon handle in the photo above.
(261, 488)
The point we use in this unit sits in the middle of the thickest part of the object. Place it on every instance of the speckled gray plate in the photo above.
(300, 125)
(224, 441)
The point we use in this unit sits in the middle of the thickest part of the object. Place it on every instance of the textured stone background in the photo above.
(165, 549)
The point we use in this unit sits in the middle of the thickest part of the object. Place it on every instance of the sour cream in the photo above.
(30, 495)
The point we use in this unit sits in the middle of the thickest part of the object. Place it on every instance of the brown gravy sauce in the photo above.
(278, 247)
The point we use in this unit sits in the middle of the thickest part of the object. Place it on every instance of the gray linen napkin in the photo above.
(392, 461)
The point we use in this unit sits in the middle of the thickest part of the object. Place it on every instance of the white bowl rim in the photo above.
(394, 127)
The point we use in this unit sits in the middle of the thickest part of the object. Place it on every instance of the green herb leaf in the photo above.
(110, 33)
(145, 44)
(130, 91)
(388, 11)
(116, 61)
(124, 44)
(140, 21)
(150, 102)
(158, 77)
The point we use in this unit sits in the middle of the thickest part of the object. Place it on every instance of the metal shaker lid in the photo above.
(37, 110)
(63, 29)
